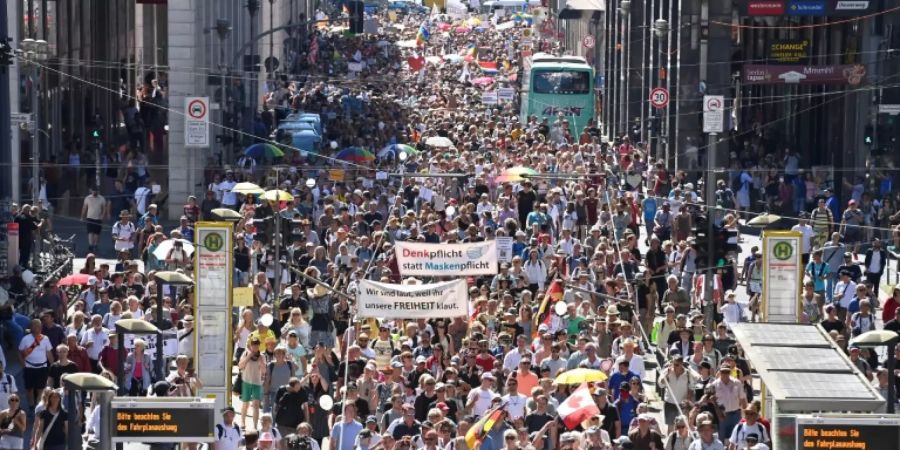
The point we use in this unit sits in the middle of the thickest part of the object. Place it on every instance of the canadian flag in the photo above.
(578, 407)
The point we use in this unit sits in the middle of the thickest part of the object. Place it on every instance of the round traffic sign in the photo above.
(197, 109)
(588, 41)
(713, 103)
(659, 97)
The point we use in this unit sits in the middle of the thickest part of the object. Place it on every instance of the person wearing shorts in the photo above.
(252, 368)
(93, 212)
(37, 352)
(851, 221)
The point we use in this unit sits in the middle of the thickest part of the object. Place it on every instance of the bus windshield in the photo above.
(561, 82)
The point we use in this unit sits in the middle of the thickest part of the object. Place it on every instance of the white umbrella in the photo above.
(163, 249)
(439, 141)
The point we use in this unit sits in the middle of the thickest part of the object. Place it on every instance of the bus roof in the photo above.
(546, 58)
(561, 66)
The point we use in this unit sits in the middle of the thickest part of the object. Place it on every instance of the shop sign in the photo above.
(801, 74)
(789, 51)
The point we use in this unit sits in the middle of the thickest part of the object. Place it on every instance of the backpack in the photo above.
(220, 430)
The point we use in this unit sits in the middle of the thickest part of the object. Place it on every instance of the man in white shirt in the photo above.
(844, 291)
(37, 352)
(94, 211)
(123, 233)
(511, 360)
(93, 340)
(748, 430)
(515, 402)
(229, 199)
(228, 434)
(480, 398)
(806, 236)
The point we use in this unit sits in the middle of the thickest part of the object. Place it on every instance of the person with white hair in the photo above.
(138, 370)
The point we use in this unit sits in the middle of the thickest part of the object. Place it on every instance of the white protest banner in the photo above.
(412, 301)
(458, 260)
(170, 343)
(506, 94)
(504, 248)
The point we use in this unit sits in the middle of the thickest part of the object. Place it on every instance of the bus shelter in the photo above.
(803, 372)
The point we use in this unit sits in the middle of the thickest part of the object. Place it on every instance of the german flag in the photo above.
(553, 295)
(484, 425)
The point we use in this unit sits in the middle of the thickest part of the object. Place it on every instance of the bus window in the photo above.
(561, 82)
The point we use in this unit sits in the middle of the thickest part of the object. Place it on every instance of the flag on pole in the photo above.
(578, 407)
(480, 429)
(423, 35)
(553, 295)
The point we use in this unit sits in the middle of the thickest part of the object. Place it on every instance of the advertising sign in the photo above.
(849, 8)
(815, 433)
(782, 276)
(765, 7)
(789, 51)
(805, 8)
(412, 301)
(214, 265)
(196, 122)
(800, 74)
(149, 420)
(459, 260)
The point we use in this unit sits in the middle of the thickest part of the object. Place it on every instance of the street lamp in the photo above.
(223, 29)
(882, 338)
(250, 117)
(171, 278)
(103, 390)
(625, 7)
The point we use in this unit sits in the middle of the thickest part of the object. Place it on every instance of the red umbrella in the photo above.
(76, 279)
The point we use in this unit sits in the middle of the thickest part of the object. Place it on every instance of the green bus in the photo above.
(559, 84)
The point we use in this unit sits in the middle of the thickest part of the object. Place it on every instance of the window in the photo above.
(562, 82)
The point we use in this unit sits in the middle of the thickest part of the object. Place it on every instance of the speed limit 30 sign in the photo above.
(588, 42)
(659, 97)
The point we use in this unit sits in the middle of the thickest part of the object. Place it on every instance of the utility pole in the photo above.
(710, 276)
(8, 57)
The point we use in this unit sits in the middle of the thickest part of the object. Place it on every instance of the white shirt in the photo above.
(228, 198)
(99, 339)
(123, 235)
(512, 359)
(515, 405)
(231, 436)
(739, 434)
(732, 313)
(874, 263)
(141, 195)
(844, 292)
(38, 357)
(483, 398)
(807, 233)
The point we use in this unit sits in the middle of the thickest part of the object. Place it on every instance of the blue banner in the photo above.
(805, 8)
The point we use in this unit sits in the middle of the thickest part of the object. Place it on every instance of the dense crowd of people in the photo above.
(620, 255)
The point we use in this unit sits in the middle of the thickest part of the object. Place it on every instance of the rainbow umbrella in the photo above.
(263, 150)
(355, 155)
(515, 174)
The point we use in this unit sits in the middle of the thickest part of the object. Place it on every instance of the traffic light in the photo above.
(869, 135)
(357, 8)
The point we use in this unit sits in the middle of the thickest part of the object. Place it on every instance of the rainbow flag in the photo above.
(422, 36)
(488, 67)
(484, 425)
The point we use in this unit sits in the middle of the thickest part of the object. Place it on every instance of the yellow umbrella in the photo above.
(277, 195)
(247, 188)
(581, 375)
